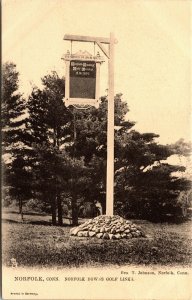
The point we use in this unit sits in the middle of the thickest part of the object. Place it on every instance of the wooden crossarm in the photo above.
(80, 38)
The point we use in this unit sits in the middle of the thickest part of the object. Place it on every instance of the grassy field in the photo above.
(35, 243)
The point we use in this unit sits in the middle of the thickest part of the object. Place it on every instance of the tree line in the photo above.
(57, 155)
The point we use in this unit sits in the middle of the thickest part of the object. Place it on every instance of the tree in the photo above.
(19, 180)
(91, 143)
(136, 156)
(68, 155)
(91, 128)
(13, 133)
(13, 110)
(49, 177)
(50, 128)
(145, 184)
(181, 148)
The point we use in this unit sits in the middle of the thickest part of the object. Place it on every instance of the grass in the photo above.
(51, 246)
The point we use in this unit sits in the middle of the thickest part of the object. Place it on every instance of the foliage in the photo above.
(182, 148)
(13, 109)
(16, 176)
(59, 154)
(51, 126)
(145, 185)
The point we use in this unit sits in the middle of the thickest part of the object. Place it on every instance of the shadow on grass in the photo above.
(25, 213)
(166, 219)
(9, 221)
(169, 220)
(44, 223)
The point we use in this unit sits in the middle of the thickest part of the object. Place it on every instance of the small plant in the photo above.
(14, 263)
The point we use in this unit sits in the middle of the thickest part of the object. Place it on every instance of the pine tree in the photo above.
(13, 110)
(91, 143)
(70, 148)
(49, 130)
(13, 134)
(145, 184)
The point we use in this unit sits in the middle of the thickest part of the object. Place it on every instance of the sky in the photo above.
(152, 56)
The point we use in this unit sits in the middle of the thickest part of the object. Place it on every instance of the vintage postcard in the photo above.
(96, 149)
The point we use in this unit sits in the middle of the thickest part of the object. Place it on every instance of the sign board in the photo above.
(82, 79)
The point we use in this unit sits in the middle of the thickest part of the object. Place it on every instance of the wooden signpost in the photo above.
(82, 87)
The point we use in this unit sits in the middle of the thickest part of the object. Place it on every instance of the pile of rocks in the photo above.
(108, 227)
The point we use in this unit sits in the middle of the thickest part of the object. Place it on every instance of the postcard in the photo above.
(96, 149)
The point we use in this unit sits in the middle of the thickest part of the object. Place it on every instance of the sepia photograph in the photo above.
(96, 149)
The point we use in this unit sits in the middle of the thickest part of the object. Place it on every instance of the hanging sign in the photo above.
(82, 79)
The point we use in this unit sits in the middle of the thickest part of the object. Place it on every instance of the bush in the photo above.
(35, 205)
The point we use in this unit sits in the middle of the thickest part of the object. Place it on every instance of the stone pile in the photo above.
(108, 227)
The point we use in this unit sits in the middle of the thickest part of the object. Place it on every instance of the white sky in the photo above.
(152, 56)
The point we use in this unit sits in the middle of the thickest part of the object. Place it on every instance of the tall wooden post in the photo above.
(110, 132)
(100, 41)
